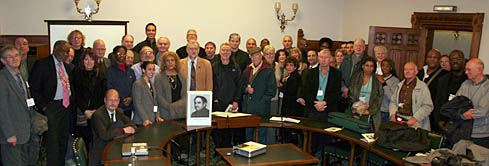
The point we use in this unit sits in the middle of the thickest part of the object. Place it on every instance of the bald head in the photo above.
(474, 70)
(287, 42)
(111, 99)
(410, 71)
(99, 47)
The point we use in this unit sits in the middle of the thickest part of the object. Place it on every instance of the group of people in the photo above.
(84, 94)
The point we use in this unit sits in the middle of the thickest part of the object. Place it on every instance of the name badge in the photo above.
(27, 84)
(450, 97)
(281, 95)
(155, 109)
(320, 93)
(30, 102)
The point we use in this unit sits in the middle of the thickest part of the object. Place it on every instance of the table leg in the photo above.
(257, 130)
(306, 138)
(310, 142)
(208, 147)
(364, 157)
(168, 150)
(352, 153)
(197, 152)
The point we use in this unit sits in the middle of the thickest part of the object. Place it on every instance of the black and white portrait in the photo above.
(199, 108)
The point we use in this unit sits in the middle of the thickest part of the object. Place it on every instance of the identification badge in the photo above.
(27, 84)
(363, 99)
(320, 93)
(30, 102)
(450, 97)
(281, 95)
(155, 109)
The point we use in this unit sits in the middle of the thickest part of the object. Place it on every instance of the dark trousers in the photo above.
(481, 141)
(57, 134)
(222, 138)
(14, 155)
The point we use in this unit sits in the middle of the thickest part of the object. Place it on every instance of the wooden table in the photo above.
(278, 154)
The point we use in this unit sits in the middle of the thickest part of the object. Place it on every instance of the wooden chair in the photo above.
(80, 152)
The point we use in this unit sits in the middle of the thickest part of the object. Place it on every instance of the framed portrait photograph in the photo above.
(199, 108)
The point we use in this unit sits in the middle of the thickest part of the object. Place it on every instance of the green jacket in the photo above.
(264, 88)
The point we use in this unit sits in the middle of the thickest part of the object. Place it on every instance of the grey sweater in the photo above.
(388, 91)
(480, 98)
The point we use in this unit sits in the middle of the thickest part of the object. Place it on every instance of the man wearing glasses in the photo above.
(121, 77)
(147, 55)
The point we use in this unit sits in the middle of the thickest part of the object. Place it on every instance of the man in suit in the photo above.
(99, 50)
(51, 82)
(200, 104)
(26, 63)
(322, 93)
(108, 122)
(182, 51)
(15, 100)
(197, 71)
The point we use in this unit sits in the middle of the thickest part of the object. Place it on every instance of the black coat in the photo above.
(227, 84)
(332, 94)
(290, 106)
(89, 88)
(457, 128)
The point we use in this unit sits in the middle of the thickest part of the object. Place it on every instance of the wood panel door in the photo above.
(403, 45)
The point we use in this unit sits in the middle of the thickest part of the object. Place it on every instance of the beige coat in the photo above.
(203, 73)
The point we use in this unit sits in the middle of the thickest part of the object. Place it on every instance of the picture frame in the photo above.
(199, 108)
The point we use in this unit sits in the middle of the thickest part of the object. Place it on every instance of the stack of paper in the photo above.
(229, 114)
(284, 119)
(368, 137)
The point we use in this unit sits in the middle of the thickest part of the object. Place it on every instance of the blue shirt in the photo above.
(366, 90)
(59, 86)
(323, 82)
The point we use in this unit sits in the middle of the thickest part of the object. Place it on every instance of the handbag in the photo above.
(399, 136)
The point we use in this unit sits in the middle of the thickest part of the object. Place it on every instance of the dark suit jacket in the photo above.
(332, 93)
(13, 107)
(43, 81)
(200, 113)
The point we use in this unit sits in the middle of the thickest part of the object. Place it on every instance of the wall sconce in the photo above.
(281, 18)
(87, 12)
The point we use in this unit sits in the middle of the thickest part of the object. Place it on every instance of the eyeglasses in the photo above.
(76, 37)
(11, 57)
(148, 53)
(120, 53)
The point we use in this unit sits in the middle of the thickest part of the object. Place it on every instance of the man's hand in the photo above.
(127, 101)
(380, 78)
(469, 115)
(412, 121)
(12, 141)
(320, 105)
(441, 124)
(235, 105)
(345, 93)
(159, 119)
(250, 90)
(147, 123)
(129, 130)
(301, 101)
(89, 113)
(393, 118)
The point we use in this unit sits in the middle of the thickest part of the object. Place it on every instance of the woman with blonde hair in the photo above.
(170, 88)
(296, 52)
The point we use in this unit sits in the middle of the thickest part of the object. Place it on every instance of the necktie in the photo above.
(64, 83)
(111, 117)
(21, 85)
(192, 77)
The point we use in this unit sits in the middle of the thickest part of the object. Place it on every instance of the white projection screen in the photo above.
(109, 31)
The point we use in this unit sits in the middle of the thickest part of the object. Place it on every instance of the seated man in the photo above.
(476, 89)
(412, 100)
(108, 122)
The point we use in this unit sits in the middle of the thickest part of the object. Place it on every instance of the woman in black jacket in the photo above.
(90, 86)
(290, 106)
